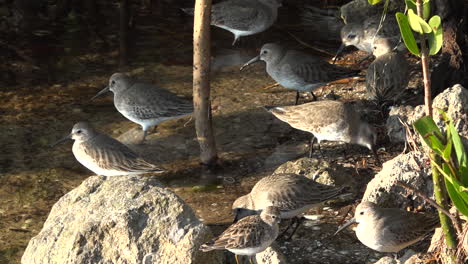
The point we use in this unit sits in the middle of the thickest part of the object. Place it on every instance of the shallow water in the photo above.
(250, 141)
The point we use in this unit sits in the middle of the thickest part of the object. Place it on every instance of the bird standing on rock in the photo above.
(104, 155)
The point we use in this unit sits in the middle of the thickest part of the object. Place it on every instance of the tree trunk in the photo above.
(451, 64)
(124, 17)
(201, 82)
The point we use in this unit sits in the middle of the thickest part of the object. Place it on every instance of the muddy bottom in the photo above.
(251, 142)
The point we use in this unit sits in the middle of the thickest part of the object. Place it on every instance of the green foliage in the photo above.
(410, 4)
(436, 37)
(413, 23)
(417, 23)
(374, 2)
(453, 164)
(407, 35)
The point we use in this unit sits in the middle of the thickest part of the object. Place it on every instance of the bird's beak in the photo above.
(236, 216)
(103, 91)
(67, 137)
(253, 60)
(338, 53)
(350, 222)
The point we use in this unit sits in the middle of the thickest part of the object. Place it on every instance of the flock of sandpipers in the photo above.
(279, 196)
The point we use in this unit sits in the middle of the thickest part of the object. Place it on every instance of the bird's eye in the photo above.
(112, 82)
(78, 132)
(265, 52)
(361, 213)
(351, 36)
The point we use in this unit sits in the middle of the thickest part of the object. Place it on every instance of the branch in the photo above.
(433, 203)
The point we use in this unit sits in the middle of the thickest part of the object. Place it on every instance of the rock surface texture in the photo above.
(271, 255)
(321, 172)
(411, 168)
(453, 101)
(121, 220)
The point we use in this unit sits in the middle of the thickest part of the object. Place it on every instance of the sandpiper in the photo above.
(388, 75)
(329, 120)
(292, 194)
(297, 70)
(243, 17)
(104, 155)
(143, 103)
(390, 229)
(248, 236)
(363, 35)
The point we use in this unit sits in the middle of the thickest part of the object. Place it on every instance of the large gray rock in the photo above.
(453, 101)
(411, 168)
(120, 220)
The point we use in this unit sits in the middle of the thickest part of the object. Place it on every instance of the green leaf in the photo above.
(410, 4)
(407, 34)
(430, 133)
(447, 151)
(417, 23)
(456, 198)
(426, 9)
(436, 38)
(374, 2)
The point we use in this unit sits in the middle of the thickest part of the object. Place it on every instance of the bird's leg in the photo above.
(287, 228)
(145, 132)
(250, 260)
(237, 259)
(313, 96)
(297, 97)
(320, 149)
(311, 146)
(236, 38)
(298, 223)
(367, 57)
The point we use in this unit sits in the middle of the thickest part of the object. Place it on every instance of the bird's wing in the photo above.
(248, 232)
(407, 226)
(111, 154)
(234, 14)
(152, 102)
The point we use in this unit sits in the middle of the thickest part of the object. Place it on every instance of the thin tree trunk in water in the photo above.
(124, 16)
(201, 82)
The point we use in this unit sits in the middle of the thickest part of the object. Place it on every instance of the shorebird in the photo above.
(363, 35)
(104, 155)
(243, 17)
(297, 70)
(144, 103)
(390, 229)
(292, 194)
(388, 75)
(248, 236)
(328, 120)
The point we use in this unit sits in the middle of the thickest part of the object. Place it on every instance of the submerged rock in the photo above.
(120, 220)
